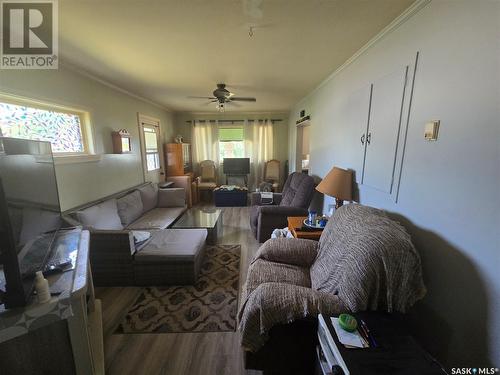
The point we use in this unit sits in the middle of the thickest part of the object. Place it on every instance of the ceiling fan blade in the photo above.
(209, 102)
(201, 97)
(243, 99)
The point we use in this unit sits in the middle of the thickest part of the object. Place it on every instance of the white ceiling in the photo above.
(167, 50)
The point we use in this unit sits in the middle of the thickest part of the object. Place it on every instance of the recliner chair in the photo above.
(293, 201)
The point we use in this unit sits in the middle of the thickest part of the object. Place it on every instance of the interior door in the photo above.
(152, 158)
(384, 128)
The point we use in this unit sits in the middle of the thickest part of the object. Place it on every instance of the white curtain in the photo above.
(259, 148)
(205, 142)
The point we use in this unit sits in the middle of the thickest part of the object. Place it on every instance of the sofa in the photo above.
(131, 242)
(294, 200)
(363, 261)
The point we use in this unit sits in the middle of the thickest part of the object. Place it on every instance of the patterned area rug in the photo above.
(209, 306)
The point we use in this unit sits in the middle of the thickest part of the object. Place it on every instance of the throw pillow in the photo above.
(102, 216)
(130, 207)
(149, 197)
(175, 197)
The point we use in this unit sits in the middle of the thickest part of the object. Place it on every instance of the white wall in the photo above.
(449, 193)
(109, 110)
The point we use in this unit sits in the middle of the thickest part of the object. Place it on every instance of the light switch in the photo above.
(431, 130)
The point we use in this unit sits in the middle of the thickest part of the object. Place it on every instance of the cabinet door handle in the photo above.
(369, 138)
(363, 139)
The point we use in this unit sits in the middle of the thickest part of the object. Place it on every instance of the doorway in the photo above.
(152, 158)
(303, 147)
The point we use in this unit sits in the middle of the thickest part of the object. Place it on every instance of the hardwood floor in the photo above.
(211, 353)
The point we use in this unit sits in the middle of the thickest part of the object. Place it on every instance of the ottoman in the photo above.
(171, 257)
(230, 198)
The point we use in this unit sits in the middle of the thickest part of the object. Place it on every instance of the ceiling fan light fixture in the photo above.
(221, 107)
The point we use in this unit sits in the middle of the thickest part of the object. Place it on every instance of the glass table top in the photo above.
(198, 218)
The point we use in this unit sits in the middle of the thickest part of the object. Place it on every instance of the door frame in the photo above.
(299, 143)
(150, 121)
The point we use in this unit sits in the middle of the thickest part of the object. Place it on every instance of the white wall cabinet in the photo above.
(383, 131)
(356, 110)
(382, 139)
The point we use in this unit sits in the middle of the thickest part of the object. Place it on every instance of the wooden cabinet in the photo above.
(178, 157)
(121, 142)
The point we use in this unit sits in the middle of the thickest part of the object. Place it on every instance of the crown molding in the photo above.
(85, 73)
(398, 21)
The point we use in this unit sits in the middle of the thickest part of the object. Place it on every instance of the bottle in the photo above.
(312, 217)
(42, 288)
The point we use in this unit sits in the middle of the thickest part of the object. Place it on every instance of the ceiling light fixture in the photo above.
(220, 107)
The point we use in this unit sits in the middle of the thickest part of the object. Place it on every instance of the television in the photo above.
(30, 215)
(236, 166)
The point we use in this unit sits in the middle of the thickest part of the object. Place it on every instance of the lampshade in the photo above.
(337, 183)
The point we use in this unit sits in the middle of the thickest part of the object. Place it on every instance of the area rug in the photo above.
(208, 306)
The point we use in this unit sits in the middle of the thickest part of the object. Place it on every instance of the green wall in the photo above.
(109, 109)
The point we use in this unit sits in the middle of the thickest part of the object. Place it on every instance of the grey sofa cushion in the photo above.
(149, 197)
(157, 218)
(129, 207)
(174, 197)
(172, 245)
(102, 216)
(298, 190)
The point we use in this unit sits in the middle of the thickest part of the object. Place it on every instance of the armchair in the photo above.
(293, 201)
(272, 173)
(208, 177)
(363, 261)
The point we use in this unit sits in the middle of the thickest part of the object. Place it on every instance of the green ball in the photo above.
(348, 322)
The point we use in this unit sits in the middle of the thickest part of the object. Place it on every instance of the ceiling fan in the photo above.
(223, 96)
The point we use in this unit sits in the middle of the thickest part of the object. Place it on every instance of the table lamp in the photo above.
(337, 183)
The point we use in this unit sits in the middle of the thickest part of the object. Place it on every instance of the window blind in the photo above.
(231, 134)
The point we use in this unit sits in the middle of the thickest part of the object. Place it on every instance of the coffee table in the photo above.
(210, 219)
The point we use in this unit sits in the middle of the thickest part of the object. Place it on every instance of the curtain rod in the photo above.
(233, 121)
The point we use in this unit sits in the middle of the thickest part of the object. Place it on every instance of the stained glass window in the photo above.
(62, 129)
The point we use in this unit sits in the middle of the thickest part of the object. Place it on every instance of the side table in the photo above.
(297, 222)
(396, 353)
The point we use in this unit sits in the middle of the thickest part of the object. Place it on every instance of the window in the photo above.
(231, 143)
(63, 129)
(151, 148)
